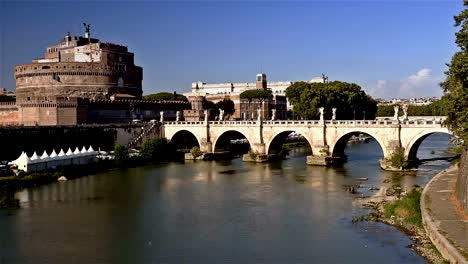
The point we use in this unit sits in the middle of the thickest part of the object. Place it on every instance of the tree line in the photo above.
(436, 108)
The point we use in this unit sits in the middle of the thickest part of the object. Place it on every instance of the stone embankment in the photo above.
(445, 223)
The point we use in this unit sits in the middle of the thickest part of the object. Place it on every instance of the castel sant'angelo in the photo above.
(80, 67)
(81, 80)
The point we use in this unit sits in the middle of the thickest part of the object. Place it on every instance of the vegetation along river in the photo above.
(214, 212)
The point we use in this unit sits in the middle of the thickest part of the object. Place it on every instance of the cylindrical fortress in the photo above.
(80, 67)
(94, 80)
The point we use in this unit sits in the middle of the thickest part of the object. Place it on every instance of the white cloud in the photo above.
(421, 84)
(378, 90)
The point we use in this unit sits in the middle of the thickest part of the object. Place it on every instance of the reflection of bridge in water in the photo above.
(327, 139)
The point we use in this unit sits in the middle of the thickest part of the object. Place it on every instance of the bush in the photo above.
(253, 154)
(407, 208)
(398, 159)
(195, 151)
(157, 149)
(121, 155)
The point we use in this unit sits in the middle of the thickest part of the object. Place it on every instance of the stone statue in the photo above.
(333, 113)
(221, 114)
(161, 116)
(273, 114)
(177, 116)
(405, 112)
(395, 109)
(321, 110)
(206, 115)
(259, 114)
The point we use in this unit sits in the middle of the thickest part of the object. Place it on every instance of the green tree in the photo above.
(456, 82)
(227, 105)
(157, 149)
(293, 92)
(211, 107)
(384, 110)
(165, 96)
(349, 99)
(261, 95)
(121, 155)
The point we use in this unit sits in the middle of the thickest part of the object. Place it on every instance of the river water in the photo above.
(213, 212)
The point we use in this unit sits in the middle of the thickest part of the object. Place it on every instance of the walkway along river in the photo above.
(213, 212)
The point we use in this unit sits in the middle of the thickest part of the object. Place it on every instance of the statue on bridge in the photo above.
(333, 113)
(321, 110)
(161, 116)
(221, 114)
(405, 112)
(273, 114)
(395, 109)
(206, 115)
(259, 114)
(177, 116)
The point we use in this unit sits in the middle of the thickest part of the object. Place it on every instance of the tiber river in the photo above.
(213, 212)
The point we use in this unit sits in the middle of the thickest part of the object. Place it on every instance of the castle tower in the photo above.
(261, 81)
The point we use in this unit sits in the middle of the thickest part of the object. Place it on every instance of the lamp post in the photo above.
(364, 115)
(354, 114)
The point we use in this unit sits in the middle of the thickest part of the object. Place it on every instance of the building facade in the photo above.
(275, 108)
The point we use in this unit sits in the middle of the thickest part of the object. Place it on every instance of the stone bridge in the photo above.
(327, 138)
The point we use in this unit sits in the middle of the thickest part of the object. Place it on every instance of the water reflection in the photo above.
(204, 212)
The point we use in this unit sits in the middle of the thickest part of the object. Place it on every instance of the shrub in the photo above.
(252, 154)
(195, 151)
(398, 159)
(121, 155)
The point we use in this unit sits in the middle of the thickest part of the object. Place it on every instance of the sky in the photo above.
(390, 48)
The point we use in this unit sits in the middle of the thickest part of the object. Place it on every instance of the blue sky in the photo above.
(390, 48)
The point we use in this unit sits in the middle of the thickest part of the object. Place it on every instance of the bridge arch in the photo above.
(337, 148)
(284, 133)
(184, 138)
(226, 132)
(411, 149)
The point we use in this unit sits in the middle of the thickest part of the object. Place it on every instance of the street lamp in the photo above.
(354, 114)
(364, 115)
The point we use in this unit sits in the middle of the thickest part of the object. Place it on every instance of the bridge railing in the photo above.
(378, 122)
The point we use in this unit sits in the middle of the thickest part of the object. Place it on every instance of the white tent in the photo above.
(69, 152)
(34, 156)
(21, 162)
(44, 155)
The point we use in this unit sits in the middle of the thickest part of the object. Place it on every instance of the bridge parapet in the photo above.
(409, 123)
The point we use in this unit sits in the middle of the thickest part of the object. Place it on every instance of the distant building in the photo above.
(244, 109)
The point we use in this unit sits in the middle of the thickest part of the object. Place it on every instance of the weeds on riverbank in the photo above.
(407, 208)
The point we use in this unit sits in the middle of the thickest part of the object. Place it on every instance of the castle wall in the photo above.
(75, 79)
(9, 114)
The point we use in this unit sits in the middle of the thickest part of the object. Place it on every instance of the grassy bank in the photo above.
(406, 209)
(404, 213)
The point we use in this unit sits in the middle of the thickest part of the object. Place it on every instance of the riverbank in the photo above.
(11, 184)
(396, 208)
(444, 221)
